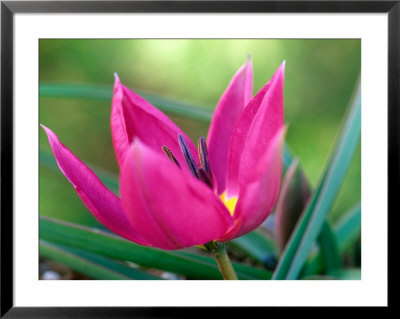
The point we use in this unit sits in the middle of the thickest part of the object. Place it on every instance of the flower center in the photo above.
(230, 203)
(203, 172)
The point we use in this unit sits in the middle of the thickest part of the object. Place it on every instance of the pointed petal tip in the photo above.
(249, 61)
(48, 131)
(246, 67)
(117, 83)
(249, 58)
(50, 134)
(282, 66)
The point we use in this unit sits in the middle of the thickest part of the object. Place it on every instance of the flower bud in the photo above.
(293, 198)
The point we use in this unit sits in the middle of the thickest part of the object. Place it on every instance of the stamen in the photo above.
(203, 176)
(187, 155)
(203, 155)
(171, 156)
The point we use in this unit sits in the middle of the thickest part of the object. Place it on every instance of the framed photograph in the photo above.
(153, 150)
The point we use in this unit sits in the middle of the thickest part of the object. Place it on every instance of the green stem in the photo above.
(218, 250)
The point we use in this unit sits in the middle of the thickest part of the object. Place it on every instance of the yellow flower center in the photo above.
(230, 203)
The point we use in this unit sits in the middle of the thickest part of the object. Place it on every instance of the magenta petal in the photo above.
(225, 117)
(120, 137)
(102, 203)
(132, 116)
(260, 121)
(169, 207)
(257, 197)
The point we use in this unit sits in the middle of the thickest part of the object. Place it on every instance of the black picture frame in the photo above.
(9, 8)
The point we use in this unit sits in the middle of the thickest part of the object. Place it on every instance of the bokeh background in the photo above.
(319, 80)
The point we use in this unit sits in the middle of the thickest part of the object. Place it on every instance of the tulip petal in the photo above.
(101, 202)
(169, 207)
(225, 117)
(257, 197)
(132, 116)
(120, 137)
(260, 121)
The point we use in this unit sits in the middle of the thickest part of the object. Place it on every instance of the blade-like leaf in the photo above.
(92, 265)
(343, 274)
(256, 245)
(253, 272)
(111, 246)
(105, 93)
(310, 224)
(348, 228)
(348, 274)
(345, 231)
(329, 249)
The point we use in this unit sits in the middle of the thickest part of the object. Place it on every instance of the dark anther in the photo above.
(187, 155)
(203, 176)
(203, 154)
(171, 156)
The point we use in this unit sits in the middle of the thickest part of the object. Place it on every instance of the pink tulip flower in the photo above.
(174, 195)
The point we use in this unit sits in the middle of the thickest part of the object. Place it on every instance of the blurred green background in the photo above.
(319, 79)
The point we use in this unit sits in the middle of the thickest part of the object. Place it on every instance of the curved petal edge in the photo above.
(134, 117)
(260, 121)
(100, 201)
(227, 113)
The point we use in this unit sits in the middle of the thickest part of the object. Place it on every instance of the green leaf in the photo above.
(250, 272)
(92, 265)
(105, 93)
(345, 231)
(329, 249)
(318, 277)
(111, 246)
(348, 228)
(256, 245)
(347, 274)
(314, 265)
(310, 224)
(342, 274)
